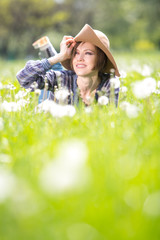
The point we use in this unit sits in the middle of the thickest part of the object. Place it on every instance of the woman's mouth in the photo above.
(80, 65)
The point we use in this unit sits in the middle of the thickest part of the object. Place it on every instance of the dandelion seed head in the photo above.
(20, 94)
(146, 70)
(103, 100)
(10, 106)
(144, 88)
(88, 109)
(68, 170)
(123, 74)
(123, 89)
(115, 82)
(61, 94)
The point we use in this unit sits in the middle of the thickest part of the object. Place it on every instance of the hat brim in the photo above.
(87, 34)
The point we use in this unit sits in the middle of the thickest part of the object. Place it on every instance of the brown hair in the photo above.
(101, 58)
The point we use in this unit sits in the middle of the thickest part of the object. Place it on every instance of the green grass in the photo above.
(118, 193)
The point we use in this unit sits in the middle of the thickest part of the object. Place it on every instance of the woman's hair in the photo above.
(101, 58)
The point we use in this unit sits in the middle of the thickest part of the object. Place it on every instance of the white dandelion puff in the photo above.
(131, 110)
(61, 94)
(68, 170)
(123, 89)
(123, 74)
(115, 82)
(20, 94)
(144, 88)
(103, 100)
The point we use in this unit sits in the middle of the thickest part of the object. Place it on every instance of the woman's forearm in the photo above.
(32, 71)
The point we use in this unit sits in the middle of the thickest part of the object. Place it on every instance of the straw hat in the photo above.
(99, 39)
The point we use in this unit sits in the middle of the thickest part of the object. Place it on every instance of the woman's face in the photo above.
(84, 60)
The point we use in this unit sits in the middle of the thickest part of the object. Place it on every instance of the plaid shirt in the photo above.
(40, 70)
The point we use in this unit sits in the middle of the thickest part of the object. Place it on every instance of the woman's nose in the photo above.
(80, 56)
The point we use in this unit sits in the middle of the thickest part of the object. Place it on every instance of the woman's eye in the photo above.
(89, 53)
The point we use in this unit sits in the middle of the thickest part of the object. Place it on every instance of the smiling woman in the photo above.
(88, 65)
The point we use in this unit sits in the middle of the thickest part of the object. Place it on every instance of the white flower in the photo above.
(88, 109)
(103, 100)
(123, 105)
(61, 94)
(123, 89)
(115, 82)
(55, 109)
(10, 106)
(123, 74)
(146, 70)
(131, 110)
(68, 170)
(20, 94)
(45, 106)
(144, 88)
(37, 91)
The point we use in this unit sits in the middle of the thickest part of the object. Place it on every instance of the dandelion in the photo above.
(115, 82)
(123, 89)
(68, 170)
(61, 95)
(144, 88)
(103, 100)
(37, 92)
(88, 109)
(146, 70)
(10, 106)
(131, 110)
(22, 103)
(20, 94)
(45, 106)
(55, 109)
(123, 74)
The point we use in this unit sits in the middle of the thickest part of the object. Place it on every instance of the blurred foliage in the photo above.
(125, 22)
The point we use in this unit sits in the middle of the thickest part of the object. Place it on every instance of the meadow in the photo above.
(85, 173)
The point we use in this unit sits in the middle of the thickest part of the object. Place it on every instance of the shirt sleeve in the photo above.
(35, 71)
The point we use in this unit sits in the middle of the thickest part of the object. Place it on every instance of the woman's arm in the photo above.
(37, 70)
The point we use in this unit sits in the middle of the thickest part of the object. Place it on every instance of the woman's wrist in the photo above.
(55, 59)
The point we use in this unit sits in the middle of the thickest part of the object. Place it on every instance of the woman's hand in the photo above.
(66, 46)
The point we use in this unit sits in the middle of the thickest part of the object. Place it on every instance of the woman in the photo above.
(88, 63)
